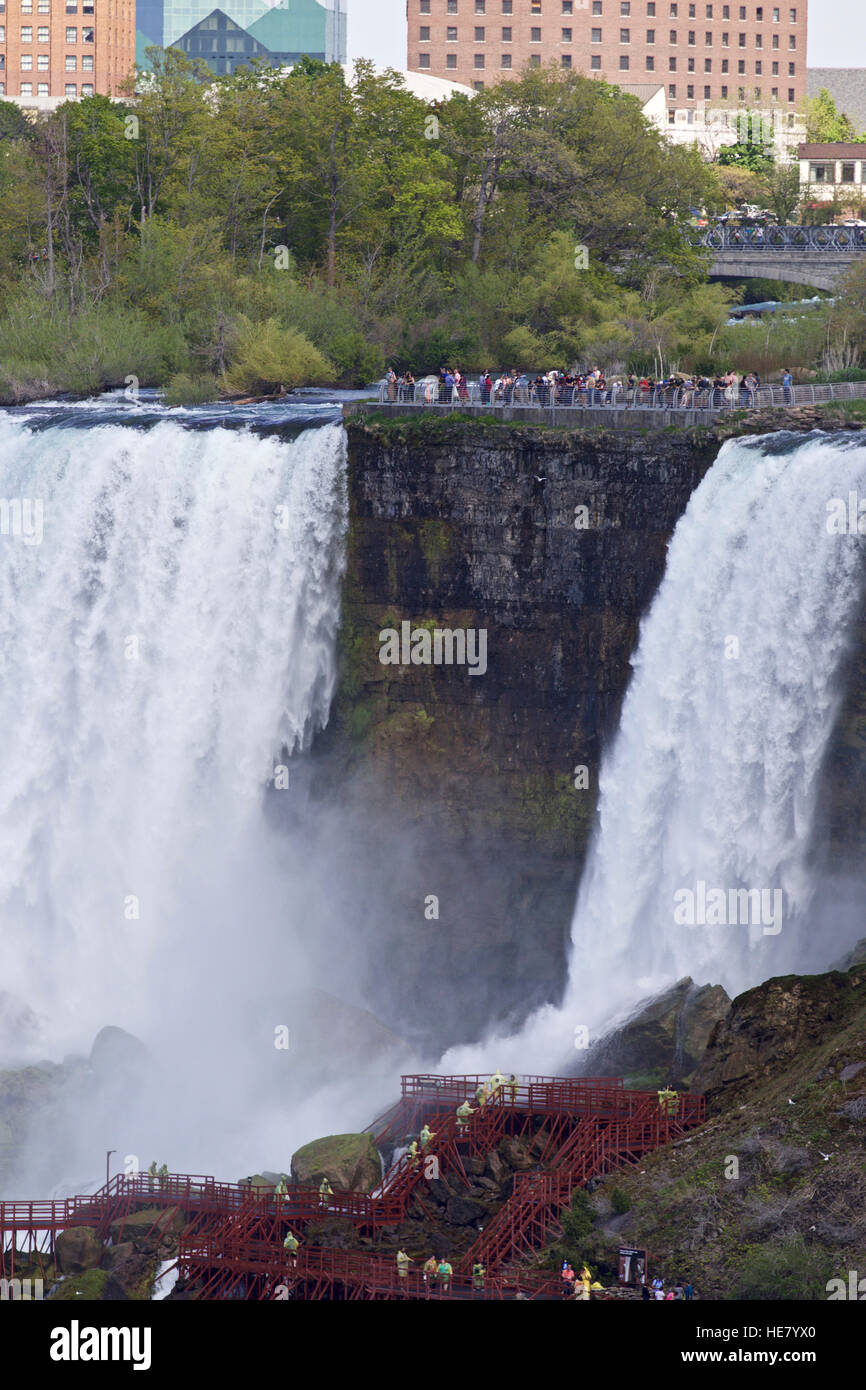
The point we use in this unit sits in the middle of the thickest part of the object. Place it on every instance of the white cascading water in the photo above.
(172, 632)
(714, 771)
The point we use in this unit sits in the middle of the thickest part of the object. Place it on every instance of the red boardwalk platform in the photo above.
(232, 1243)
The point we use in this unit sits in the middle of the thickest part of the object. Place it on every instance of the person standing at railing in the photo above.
(481, 1095)
(163, 1175)
(152, 1174)
(485, 385)
(391, 384)
(512, 1087)
(478, 1273)
(444, 1272)
(464, 1115)
(326, 1192)
(403, 1263)
(430, 1269)
(787, 385)
(426, 1136)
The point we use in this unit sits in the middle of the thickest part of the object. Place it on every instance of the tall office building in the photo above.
(230, 35)
(54, 50)
(702, 52)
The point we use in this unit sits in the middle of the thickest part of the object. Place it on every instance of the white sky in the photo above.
(837, 32)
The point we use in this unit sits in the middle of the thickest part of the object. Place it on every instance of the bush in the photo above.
(184, 389)
(619, 1201)
(266, 357)
(786, 1269)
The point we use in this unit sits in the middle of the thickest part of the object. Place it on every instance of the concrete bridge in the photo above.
(817, 256)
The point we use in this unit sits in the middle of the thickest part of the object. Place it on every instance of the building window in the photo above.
(595, 36)
(72, 36)
(70, 89)
(775, 93)
(450, 60)
(479, 34)
(423, 60)
(42, 89)
(535, 60)
(724, 93)
(792, 40)
(776, 15)
(724, 65)
(71, 62)
(425, 6)
(725, 40)
(42, 62)
(625, 35)
(623, 62)
(566, 36)
(759, 42)
(690, 93)
(650, 35)
(792, 69)
(44, 7)
(87, 89)
(650, 62)
(87, 63)
(691, 38)
(741, 39)
(741, 65)
(567, 7)
(651, 9)
(706, 94)
(793, 16)
(671, 117)
(790, 93)
(596, 6)
(741, 94)
(759, 14)
(565, 60)
(625, 6)
(672, 64)
(691, 65)
(2, 33)
(479, 60)
(847, 173)
(506, 6)
(775, 40)
(480, 6)
(742, 12)
(708, 65)
(821, 173)
(595, 60)
(535, 36)
(27, 34)
(505, 60)
(42, 34)
(775, 69)
(672, 91)
(673, 36)
(506, 35)
(26, 89)
(757, 94)
(26, 6)
(759, 69)
(26, 62)
(478, 86)
(451, 34)
(451, 6)
(424, 33)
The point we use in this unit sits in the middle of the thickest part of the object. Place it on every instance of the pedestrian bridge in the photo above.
(816, 256)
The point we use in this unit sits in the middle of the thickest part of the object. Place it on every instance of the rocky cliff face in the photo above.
(476, 811)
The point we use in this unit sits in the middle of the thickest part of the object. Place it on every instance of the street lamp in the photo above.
(108, 1154)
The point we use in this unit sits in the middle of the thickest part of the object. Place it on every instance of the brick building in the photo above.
(701, 51)
(55, 50)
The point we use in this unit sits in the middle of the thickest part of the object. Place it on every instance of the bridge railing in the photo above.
(826, 238)
(718, 397)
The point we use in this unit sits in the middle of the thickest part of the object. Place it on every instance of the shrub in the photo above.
(786, 1269)
(266, 357)
(184, 389)
(619, 1201)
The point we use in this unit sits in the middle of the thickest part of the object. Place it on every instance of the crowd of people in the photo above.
(451, 386)
(657, 1291)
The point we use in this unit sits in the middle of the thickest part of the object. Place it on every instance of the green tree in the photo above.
(825, 123)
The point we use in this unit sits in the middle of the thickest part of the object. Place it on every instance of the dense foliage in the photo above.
(270, 229)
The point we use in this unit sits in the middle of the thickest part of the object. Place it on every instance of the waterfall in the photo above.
(169, 600)
(710, 785)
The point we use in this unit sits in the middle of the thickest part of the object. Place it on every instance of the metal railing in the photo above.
(771, 238)
(671, 397)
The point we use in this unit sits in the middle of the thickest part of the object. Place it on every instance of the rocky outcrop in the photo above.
(770, 1025)
(77, 1249)
(94, 1286)
(471, 797)
(350, 1162)
(664, 1040)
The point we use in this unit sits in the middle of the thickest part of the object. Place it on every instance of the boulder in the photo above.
(148, 1228)
(496, 1168)
(333, 1233)
(78, 1248)
(135, 1270)
(462, 1212)
(768, 1026)
(116, 1052)
(349, 1161)
(664, 1039)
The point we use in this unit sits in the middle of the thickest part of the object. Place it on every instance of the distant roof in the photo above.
(839, 150)
(644, 91)
(429, 88)
(847, 87)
